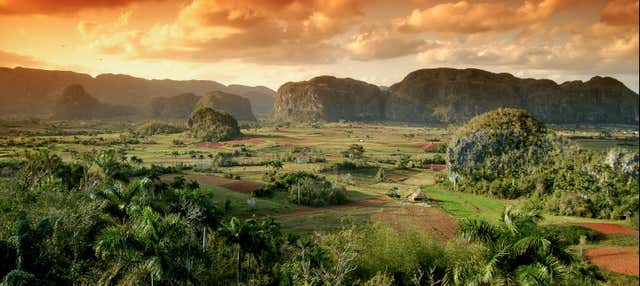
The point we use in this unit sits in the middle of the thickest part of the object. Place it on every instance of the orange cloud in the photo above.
(280, 31)
(475, 17)
(620, 12)
(377, 43)
(600, 48)
(46, 7)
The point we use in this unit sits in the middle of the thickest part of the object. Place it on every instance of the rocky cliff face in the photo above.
(261, 98)
(452, 95)
(330, 99)
(456, 95)
(32, 92)
(239, 107)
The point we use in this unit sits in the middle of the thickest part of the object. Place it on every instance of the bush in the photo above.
(346, 165)
(355, 151)
(157, 127)
(393, 193)
(316, 192)
(262, 192)
(440, 148)
(570, 234)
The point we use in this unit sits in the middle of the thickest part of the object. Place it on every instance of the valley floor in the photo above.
(368, 195)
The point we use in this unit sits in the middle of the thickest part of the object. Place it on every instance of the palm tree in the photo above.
(259, 238)
(150, 249)
(517, 252)
(118, 199)
(235, 231)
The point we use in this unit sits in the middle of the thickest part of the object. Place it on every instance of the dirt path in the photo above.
(617, 259)
(411, 217)
(607, 228)
(239, 186)
(360, 203)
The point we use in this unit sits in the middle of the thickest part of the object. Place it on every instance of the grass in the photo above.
(618, 239)
(618, 279)
(327, 220)
(463, 205)
(240, 207)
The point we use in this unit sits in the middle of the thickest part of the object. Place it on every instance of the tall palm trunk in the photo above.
(238, 269)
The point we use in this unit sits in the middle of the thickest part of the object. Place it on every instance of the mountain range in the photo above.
(440, 95)
(445, 95)
(33, 92)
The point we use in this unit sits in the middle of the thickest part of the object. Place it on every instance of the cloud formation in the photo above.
(465, 17)
(48, 7)
(278, 32)
(620, 12)
(600, 48)
(379, 43)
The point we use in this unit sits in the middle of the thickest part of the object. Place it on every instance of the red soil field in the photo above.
(617, 259)
(430, 219)
(437, 167)
(239, 186)
(209, 144)
(245, 141)
(607, 228)
(429, 146)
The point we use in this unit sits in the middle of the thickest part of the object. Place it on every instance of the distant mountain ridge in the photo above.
(439, 95)
(32, 92)
(76, 104)
(456, 95)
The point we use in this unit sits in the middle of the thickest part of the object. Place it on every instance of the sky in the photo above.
(270, 42)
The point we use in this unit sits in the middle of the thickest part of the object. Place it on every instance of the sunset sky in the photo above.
(270, 42)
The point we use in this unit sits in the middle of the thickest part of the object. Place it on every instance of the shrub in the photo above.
(440, 148)
(355, 151)
(262, 192)
(393, 193)
(157, 127)
(316, 192)
(570, 234)
(345, 166)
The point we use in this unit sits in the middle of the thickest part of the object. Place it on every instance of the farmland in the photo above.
(396, 162)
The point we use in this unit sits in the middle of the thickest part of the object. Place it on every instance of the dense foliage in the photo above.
(100, 221)
(519, 252)
(303, 188)
(509, 154)
(213, 125)
(158, 127)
